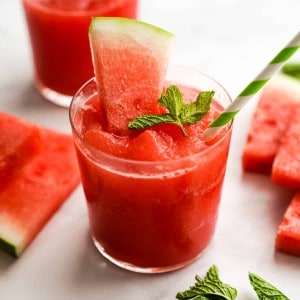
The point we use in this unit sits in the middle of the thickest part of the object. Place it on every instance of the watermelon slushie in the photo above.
(59, 38)
(152, 195)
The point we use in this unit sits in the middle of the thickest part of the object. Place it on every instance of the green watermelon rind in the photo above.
(12, 240)
(156, 39)
(8, 247)
(124, 25)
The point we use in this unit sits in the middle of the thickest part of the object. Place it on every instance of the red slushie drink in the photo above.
(153, 194)
(59, 38)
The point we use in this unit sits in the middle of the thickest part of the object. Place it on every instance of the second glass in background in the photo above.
(58, 33)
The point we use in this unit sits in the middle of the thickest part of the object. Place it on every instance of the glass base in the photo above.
(146, 270)
(53, 96)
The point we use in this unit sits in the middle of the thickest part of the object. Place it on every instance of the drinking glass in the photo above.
(58, 31)
(152, 216)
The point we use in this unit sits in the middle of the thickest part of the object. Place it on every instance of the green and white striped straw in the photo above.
(253, 87)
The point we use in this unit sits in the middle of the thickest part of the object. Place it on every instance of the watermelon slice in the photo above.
(130, 60)
(275, 108)
(288, 234)
(286, 166)
(38, 171)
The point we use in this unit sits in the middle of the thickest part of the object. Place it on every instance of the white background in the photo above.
(229, 39)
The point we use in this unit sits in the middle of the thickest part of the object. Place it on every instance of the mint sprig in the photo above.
(264, 290)
(210, 287)
(179, 113)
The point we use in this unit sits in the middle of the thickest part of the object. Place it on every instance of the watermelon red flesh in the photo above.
(16, 148)
(269, 123)
(130, 61)
(41, 179)
(288, 234)
(149, 146)
(286, 166)
(121, 91)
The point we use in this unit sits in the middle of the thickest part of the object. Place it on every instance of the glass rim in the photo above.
(144, 162)
(74, 12)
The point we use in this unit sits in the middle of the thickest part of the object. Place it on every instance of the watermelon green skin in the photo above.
(288, 234)
(39, 170)
(286, 166)
(130, 60)
(274, 110)
(292, 69)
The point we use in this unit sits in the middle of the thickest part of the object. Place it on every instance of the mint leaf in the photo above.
(150, 120)
(209, 288)
(193, 112)
(292, 69)
(264, 290)
(172, 100)
(179, 113)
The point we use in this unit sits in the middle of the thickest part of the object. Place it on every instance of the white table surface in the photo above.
(229, 39)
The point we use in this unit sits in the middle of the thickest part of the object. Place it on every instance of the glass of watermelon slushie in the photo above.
(58, 33)
(153, 195)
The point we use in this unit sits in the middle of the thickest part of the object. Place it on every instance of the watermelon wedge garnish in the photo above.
(130, 61)
(38, 171)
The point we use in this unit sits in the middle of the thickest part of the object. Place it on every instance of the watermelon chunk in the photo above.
(149, 145)
(40, 170)
(99, 139)
(271, 118)
(130, 59)
(286, 166)
(288, 234)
